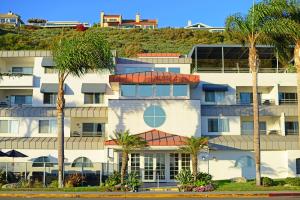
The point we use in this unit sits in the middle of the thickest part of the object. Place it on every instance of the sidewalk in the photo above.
(156, 195)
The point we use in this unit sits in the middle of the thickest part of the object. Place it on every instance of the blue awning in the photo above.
(214, 87)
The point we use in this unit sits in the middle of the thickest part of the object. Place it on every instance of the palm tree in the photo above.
(250, 30)
(76, 56)
(192, 146)
(128, 143)
(283, 24)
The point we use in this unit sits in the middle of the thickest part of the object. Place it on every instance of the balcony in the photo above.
(16, 81)
(86, 134)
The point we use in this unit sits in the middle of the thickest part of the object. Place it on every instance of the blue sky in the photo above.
(173, 13)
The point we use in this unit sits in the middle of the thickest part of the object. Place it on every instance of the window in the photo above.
(247, 128)
(50, 98)
(160, 69)
(128, 70)
(148, 165)
(287, 97)
(82, 162)
(180, 90)
(22, 70)
(47, 126)
(154, 116)
(42, 161)
(161, 166)
(218, 125)
(135, 163)
(128, 90)
(145, 90)
(9, 126)
(174, 165)
(50, 70)
(163, 90)
(21, 99)
(174, 70)
(298, 166)
(92, 129)
(246, 98)
(185, 161)
(291, 128)
(93, 98)
(214, 96)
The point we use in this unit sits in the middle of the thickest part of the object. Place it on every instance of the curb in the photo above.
(143, 195)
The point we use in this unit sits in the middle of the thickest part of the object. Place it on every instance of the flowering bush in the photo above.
(206, 188)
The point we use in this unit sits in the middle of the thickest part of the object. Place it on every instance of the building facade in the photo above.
(205, 27)
(116, 21)
(163, 98)
(10, 18)
(60, 24)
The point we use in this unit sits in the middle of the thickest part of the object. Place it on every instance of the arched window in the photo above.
(297, 165)
(82, 162)
(39, 162)
(244, 161)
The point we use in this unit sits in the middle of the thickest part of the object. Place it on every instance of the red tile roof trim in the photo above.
(155, 78)
(157, 138)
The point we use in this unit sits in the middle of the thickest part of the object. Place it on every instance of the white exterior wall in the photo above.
(233, 80)
(182, 116)
(73, 95)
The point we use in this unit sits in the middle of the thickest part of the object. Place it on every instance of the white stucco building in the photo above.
(163, 98)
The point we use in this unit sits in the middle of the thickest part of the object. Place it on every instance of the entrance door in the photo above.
(160, 167)
(149, 167)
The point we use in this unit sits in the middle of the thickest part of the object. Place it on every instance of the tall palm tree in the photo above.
(128, 143)
(283, 24)
(193, 146)
(76, 56)
(250, 30)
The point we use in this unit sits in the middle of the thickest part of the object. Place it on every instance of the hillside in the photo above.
(126, 42)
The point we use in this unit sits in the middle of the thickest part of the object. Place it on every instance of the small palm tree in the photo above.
(128, 143)
(250, 30)
(193, 146)
(76, 56)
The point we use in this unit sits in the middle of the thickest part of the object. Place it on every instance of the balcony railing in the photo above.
(288, 101)
(262, 132)
(86, 134)
(291, 132)
(240, 70)
(265, 102)
(14, 80)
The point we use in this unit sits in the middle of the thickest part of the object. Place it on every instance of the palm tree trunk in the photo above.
(124, 166)
(60, 130)
(297, 64)
(195, 166)
(256, 137)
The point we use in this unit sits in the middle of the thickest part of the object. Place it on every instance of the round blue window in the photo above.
(154, 116)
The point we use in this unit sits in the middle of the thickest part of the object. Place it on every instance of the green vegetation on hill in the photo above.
(127, 42)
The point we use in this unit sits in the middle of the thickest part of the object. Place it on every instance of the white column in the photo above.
(282, 124)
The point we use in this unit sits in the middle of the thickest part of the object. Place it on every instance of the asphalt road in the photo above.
(274, 198)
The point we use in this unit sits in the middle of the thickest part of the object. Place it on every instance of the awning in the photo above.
(49, 88)
(214, 87)
(51, 143)
(157, 138)
(93, 87)
(155, 78)
(48, 62)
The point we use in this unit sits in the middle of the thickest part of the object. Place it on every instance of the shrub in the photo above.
(184, 177)
(267, 182)
(53, 184)
(133, 181)
(293, 181)
(24, 184)
(2, 177)
(36, 184)
(207, 188)
(199, 183)
(75, 180)
(205, 177)
(114, 179)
